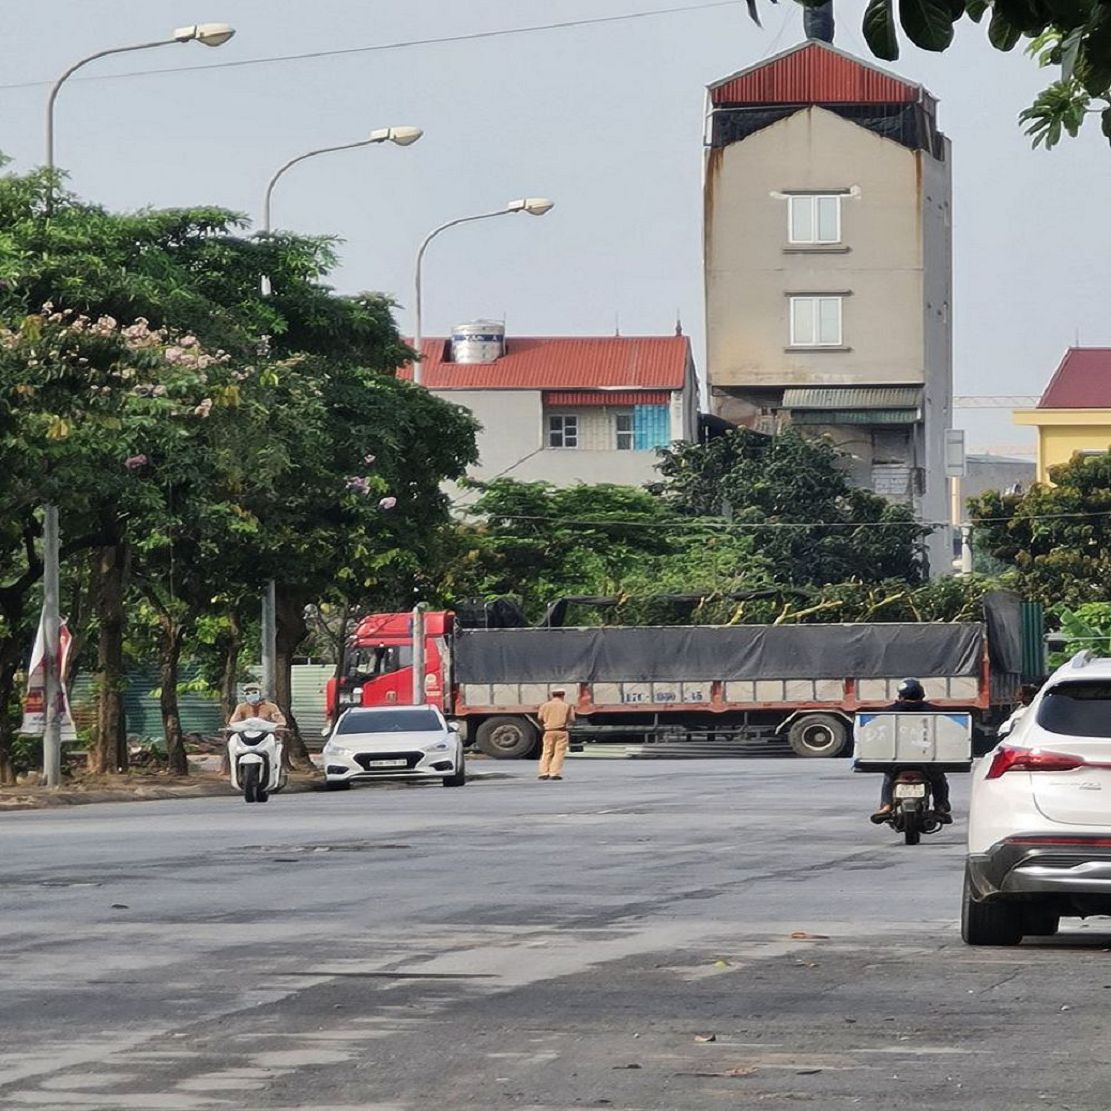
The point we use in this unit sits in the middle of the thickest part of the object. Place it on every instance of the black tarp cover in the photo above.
(1003, 614)
(717, 652)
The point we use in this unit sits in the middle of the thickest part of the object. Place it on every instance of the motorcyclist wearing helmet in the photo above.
(911, 698)
(255, 706)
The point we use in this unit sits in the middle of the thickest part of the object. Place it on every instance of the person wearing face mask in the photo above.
(255, 706)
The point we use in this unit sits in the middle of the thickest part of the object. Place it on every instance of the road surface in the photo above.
(622, 939)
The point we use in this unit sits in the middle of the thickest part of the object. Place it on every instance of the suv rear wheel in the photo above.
(989, 923)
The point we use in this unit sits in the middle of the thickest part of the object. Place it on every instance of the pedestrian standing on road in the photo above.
(555, 716)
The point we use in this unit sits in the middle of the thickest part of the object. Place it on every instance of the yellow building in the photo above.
(1074, 414)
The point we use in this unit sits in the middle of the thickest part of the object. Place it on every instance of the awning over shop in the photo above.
(854, 405)
(867, 397)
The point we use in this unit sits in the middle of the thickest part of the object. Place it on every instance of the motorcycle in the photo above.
(255, 758)
(913, 747)
(912, 813)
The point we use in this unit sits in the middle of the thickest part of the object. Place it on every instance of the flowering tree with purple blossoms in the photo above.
(189, 467)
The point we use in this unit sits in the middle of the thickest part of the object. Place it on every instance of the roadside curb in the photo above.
(204, 787)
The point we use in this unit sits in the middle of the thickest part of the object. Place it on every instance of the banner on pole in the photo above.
(34, 701)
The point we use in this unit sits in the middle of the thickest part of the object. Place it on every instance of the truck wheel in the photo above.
(818, 735)
(506, 738)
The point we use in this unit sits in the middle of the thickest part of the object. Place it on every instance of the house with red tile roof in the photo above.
(566, 409)
(1074, 413)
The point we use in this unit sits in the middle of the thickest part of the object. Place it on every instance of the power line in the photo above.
(402, 44)
(706, 523)
(695, 525)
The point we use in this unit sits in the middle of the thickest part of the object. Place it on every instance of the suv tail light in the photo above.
(1009, 759)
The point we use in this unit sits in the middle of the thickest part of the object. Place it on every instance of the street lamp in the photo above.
(534, 206)
(399, 136)
(209, 34)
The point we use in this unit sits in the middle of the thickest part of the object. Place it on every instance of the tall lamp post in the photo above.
(402, 137)
(534, 206)
(210, 34)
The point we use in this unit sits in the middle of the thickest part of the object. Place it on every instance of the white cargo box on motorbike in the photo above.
(941, 741)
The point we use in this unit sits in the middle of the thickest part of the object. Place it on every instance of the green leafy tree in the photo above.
(318, 366)
(789, 493)
(540, 543)
(358, 515)
(1056, 539)
(1086, 627)
(131, 432)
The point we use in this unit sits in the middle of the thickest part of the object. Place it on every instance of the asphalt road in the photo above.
(528, 945)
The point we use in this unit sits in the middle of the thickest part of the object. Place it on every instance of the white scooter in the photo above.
(255, 758)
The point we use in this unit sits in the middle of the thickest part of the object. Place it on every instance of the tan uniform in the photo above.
(268, 711)
(555, 716)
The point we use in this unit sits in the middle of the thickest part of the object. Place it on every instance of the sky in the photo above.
(605, 119)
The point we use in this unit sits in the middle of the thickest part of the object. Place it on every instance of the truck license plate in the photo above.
(387, 763)
(910, 790)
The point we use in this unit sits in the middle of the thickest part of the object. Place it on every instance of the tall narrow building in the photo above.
(828, 267)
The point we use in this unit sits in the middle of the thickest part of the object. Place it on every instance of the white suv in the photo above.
(1039, 823)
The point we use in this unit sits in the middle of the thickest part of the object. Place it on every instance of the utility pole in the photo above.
(51, 619)
(269, 639)
(418, 654)
(966, 549)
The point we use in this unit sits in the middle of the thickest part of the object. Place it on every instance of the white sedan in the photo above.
(394, 742)
(1039, 823)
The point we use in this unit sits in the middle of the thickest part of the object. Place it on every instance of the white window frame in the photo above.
(619, 432)
(813, 202)
(813, 337)
(567, 423)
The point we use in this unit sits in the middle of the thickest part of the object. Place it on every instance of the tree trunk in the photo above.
(173, 636)
(233, 644)
(109, 750)
(291, 633)
(76, 619)
(10, 658)
(340, 639)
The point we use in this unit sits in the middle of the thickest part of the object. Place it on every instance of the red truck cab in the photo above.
(377, 665)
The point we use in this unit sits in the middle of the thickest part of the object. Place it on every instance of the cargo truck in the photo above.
(795, 686)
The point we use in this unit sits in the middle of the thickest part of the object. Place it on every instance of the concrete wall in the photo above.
(751, 267)
(997, 472)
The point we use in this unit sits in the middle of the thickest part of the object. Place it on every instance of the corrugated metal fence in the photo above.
(200, 713)
(651, 427)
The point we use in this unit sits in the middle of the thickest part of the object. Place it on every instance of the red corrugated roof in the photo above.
(563, 362)
(1082, 381)
(572, 398)
(814, 73)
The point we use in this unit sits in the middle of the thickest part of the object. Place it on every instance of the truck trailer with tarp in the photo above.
(790, 686)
